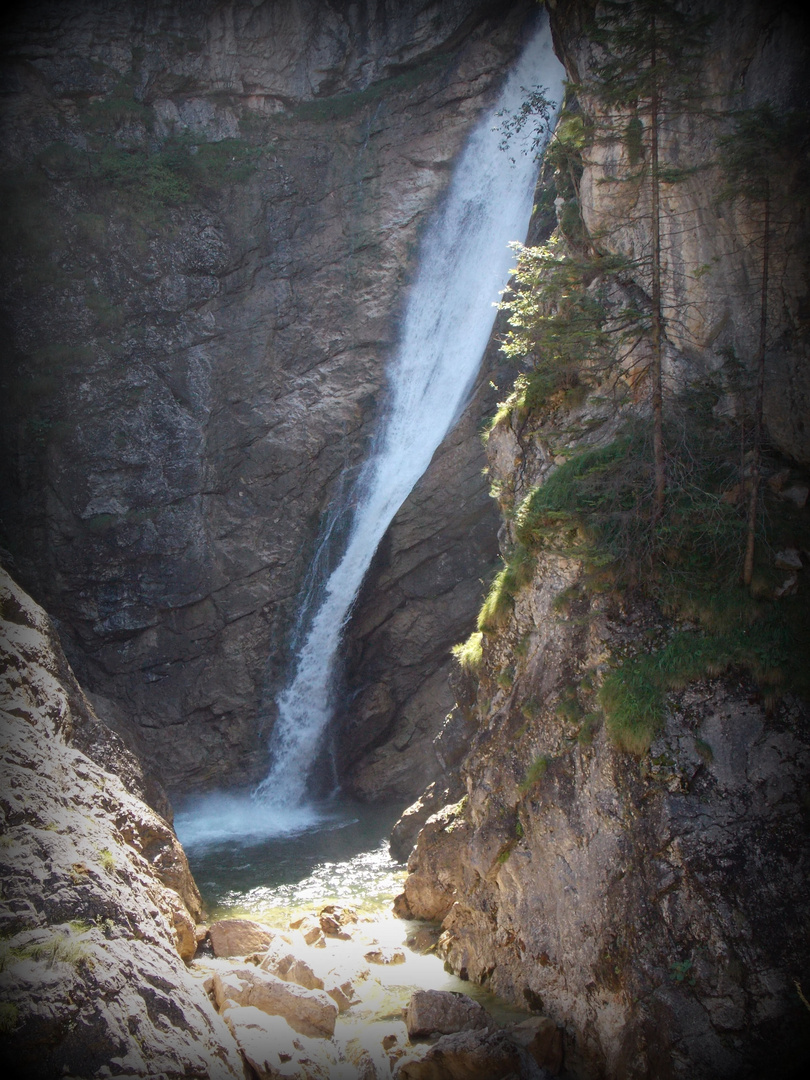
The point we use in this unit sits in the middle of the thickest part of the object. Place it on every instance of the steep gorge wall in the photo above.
(211, 218)
(98, 908)
(653, 904)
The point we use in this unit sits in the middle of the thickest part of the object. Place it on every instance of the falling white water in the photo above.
(464, 263)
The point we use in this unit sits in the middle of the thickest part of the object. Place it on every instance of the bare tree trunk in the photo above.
(756, 463)
(656, 365)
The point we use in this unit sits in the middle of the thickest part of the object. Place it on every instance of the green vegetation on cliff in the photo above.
(718, 558)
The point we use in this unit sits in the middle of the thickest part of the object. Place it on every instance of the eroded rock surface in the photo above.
(98, 905)
(432, 1012)
(212, 215)
(237, 937)
(632, 897)
(309, 1011)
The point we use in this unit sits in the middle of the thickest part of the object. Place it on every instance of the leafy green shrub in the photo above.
(588, 729)
(560, 322)
(118, 108)
(531, 708)
(569, 708)
(341, 106)
(177, 170)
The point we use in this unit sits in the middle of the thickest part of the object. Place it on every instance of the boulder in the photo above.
(473, 1055)
(310, 929)
(292, 969)
(343, 994)
(334, 919)
(543, 1040)
(310, 1012)
(380, 955)
(797, 494)
(401, 908)
(432, 1011)
(238, 937)
(273, 1049)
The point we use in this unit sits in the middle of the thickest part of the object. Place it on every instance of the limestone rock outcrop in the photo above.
(237, 937)
(431, 1012)
(649, 903)
(308, 1011)
(211, 218)
(712, 246)
(98, 906)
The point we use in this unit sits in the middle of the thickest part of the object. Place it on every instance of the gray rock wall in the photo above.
(211, 216)
(98, 907)
(653, 904)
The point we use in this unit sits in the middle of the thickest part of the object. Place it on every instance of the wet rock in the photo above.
(238, 937)
(789, 587)
(291, 968)
(310, 1012)
(430, 889)
(343, 995)
(423, 940)
(436, 1011)
(310, 929)
(797, 494)
(400, 907)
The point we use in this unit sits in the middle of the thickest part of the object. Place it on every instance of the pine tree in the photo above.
(643, 81)
(757, 156)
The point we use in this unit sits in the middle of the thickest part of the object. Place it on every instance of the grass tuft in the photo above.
(497, 606)
(536, 771)
(469, 653)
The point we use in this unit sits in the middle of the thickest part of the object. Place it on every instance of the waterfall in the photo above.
(463, 265)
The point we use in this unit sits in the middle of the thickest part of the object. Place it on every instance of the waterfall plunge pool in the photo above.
(336, 852)
(281, 863)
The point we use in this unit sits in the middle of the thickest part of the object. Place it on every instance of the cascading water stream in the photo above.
(463, 265)
(464, 262)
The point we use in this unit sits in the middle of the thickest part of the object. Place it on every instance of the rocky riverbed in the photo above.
(106, 969)
(333, 997)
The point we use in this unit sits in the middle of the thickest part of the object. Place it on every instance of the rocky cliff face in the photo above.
(652, 902)
(210, 220)
(99, 908)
